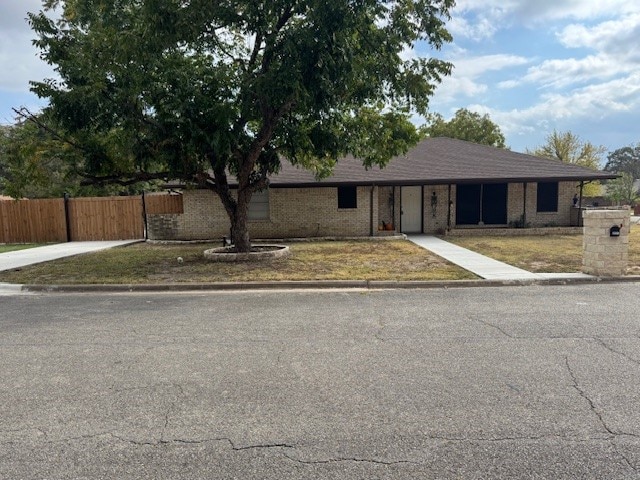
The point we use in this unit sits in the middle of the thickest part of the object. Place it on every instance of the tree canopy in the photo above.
(622, 190)
(570, 148)
(466, 125)
(201, 90)
(625, 160)
(34, 163)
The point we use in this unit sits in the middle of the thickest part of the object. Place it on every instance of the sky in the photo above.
(532, 66)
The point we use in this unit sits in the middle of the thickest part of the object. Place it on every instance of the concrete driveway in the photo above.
(517, 382)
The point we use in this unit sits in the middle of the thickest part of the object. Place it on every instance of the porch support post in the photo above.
(400, 217)
(371, 211)
(580, 220)
(449, 208)
(393, 207)
(524, 204)
(421, 208)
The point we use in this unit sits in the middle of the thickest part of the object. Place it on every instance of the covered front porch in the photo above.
(497, 206)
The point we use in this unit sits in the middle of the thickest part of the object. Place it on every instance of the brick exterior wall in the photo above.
(293, 212)
(385, 205)
(435, 219)
(314, 212)
(515, 204)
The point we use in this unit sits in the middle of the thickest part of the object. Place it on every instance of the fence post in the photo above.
(66, 216)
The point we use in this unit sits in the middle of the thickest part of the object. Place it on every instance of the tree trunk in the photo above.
(240, 236)
(239, 225)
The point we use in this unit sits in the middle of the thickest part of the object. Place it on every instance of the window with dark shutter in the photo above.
(347, 197)
(547, 197)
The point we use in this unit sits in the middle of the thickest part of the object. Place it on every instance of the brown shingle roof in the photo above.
(443, 161)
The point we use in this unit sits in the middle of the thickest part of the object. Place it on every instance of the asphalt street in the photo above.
(539, 382)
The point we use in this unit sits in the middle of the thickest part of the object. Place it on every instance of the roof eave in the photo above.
(440, 181)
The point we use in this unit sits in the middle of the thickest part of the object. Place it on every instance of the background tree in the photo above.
(203, 90)
(625, 160)
(36, 164)
(622, 190)
(569, 148)
(466, 125)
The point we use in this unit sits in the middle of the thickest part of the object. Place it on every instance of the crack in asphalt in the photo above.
(172, 406)
(625, 458)
(598, 414)
(584, 395)
(523, 438)
(164, 442)
(488, 324)
(602, 343)
(349, 459)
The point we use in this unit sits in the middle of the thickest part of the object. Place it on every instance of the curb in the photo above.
(316, 285)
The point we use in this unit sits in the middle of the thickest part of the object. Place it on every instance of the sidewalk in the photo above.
(483, 266)
(29, 256)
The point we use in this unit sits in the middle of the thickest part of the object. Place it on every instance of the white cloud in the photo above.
(615, 37)
(466, 79)
(599, 101)
(476, 66)
(527, 11)
(616, 53)
(561, 73)
(584, 72)
(477, 30)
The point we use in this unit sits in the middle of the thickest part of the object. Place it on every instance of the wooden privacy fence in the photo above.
(32, 221)
(81, 219)
(108, 218)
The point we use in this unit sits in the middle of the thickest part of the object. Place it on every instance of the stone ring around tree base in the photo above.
(259, 252)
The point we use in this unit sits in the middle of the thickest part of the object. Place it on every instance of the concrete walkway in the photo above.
(481, 265)
(30, 256)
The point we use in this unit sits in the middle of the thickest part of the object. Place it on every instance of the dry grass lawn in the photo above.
(549, 254)
(18, 246)
(322, 260)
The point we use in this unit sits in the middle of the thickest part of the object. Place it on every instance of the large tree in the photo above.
(570, 148)
(625, 160)
(30, 163)
(466, 125)
(623, 190)
(202, 90)
(35, 163)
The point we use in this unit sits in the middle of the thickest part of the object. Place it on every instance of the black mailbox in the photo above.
(614, 231)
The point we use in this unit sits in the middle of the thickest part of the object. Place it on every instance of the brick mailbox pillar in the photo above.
(605, 242)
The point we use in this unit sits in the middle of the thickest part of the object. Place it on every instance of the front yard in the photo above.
(314, 260)
(548, 254)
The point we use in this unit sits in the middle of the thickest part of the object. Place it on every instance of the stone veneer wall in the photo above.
(603, 254)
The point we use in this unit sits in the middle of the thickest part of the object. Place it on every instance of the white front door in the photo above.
(411, 209)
